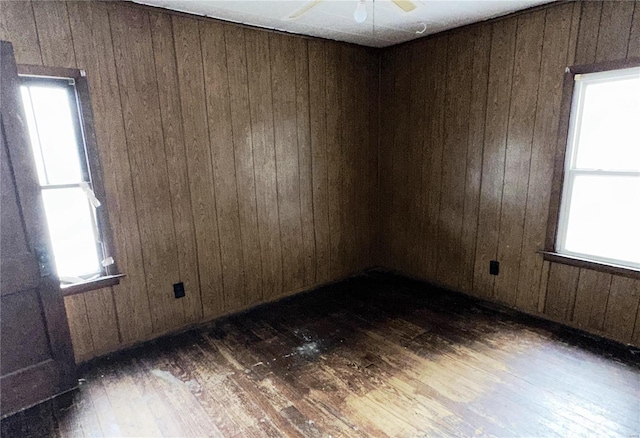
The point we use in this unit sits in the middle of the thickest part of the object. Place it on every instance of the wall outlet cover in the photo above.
(178, 290)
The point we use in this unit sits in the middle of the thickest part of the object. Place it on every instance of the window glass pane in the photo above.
(33, 134)
(604, 217)
(70, 220)
(56, 133)
(609, 131)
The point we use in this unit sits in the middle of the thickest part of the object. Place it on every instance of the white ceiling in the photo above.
(386, 23)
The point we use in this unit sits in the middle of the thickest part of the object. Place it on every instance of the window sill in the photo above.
(87, 286)
(590, 264)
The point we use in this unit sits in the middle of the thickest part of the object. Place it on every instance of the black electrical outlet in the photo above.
(494, 267)
(178, 290)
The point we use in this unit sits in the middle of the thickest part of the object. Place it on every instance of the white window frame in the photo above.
(570, 171)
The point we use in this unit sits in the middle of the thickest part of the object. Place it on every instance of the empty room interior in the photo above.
(320, 218)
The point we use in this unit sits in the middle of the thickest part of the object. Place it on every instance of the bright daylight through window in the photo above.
(600, 208)
(55, 131)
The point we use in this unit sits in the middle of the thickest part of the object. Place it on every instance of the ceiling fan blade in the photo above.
(303, 10)
(405, 5)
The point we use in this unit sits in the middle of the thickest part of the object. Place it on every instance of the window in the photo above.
(53, 113)
(599, 216)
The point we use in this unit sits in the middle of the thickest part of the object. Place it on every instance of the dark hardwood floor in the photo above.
(371, 356)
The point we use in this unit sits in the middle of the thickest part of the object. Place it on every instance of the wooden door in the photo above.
(36, 360)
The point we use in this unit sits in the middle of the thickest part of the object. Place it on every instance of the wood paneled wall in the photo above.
(245, 163)
(468, 140)
(241, 162)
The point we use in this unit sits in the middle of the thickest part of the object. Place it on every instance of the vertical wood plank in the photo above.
(305, 159)
(622, 308)
(400, 160)
(387, 132)
(214, 59)
(244, 161)
(635, 340)
(555, 51)
(94, 52)
(54, 33)
(373, 185)
(454, 161)
(76, 310)
(480, 70)
(139, 95)
(334, 154)
(544, 282)
(287, 164)
(526, 76)
(261, 104)
(415, 150)
(561, 291)
(432, 158)
(633, 50)
(171, 116)
(201, 182)
(498, 104)
(573, 32)
(365, 102)
(102, 321)
(588, 32)
(427, 49)
(615, 27)
(348, 201)
(591, 299)
(317, 118)
(18, 26)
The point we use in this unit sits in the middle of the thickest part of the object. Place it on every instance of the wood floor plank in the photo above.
(375, 355)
